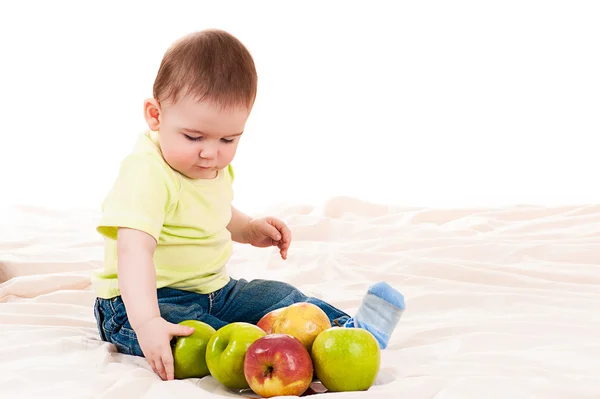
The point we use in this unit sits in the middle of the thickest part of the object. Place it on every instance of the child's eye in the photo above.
(193, 138)
(227, 140)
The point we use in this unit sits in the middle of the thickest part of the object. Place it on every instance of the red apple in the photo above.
(278, 365)
(266, 322)
(302, 320)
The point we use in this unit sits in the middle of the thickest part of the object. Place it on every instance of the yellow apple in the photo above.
(302, 320)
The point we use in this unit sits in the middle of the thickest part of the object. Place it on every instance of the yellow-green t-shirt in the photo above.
(187, 217)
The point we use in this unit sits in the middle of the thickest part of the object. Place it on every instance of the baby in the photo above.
(169, 223)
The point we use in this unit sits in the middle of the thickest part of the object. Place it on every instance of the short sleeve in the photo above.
(139, 198)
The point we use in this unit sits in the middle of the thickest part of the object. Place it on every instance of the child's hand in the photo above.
(154, 338)
(269, 231)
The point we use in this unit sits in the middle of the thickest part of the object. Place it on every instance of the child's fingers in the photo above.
(167, 361)
(151, 363)
(283, 245)
(279, 225)
(159, 368)
(286, 235)
(283, 248)
(270, 231)
(286, 241)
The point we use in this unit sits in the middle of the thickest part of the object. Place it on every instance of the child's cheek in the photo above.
(184, 154)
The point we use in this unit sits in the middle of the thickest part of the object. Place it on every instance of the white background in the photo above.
(449, 103)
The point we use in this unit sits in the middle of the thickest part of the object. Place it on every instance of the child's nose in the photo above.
(207, 152)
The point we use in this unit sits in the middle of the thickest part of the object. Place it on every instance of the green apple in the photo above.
(189, 352)
(226, 351)
(346, 359)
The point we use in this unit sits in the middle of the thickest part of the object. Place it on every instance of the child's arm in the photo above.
(238, 226)
(137, 276)
(137, 282)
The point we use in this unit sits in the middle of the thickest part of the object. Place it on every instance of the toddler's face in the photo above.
(198, 138)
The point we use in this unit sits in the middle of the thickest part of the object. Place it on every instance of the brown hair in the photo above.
(210, 64)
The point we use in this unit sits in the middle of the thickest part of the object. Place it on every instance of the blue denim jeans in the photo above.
(238, 301)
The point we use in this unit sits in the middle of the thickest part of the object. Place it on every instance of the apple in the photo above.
(278, 365)
(226, 351)
(189, 352)
(266, 322)
(346, 359)
(302, 320)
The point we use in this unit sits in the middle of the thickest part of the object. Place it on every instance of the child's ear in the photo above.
(152, 113)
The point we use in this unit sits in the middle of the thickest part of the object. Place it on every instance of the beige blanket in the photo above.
(501, 303)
